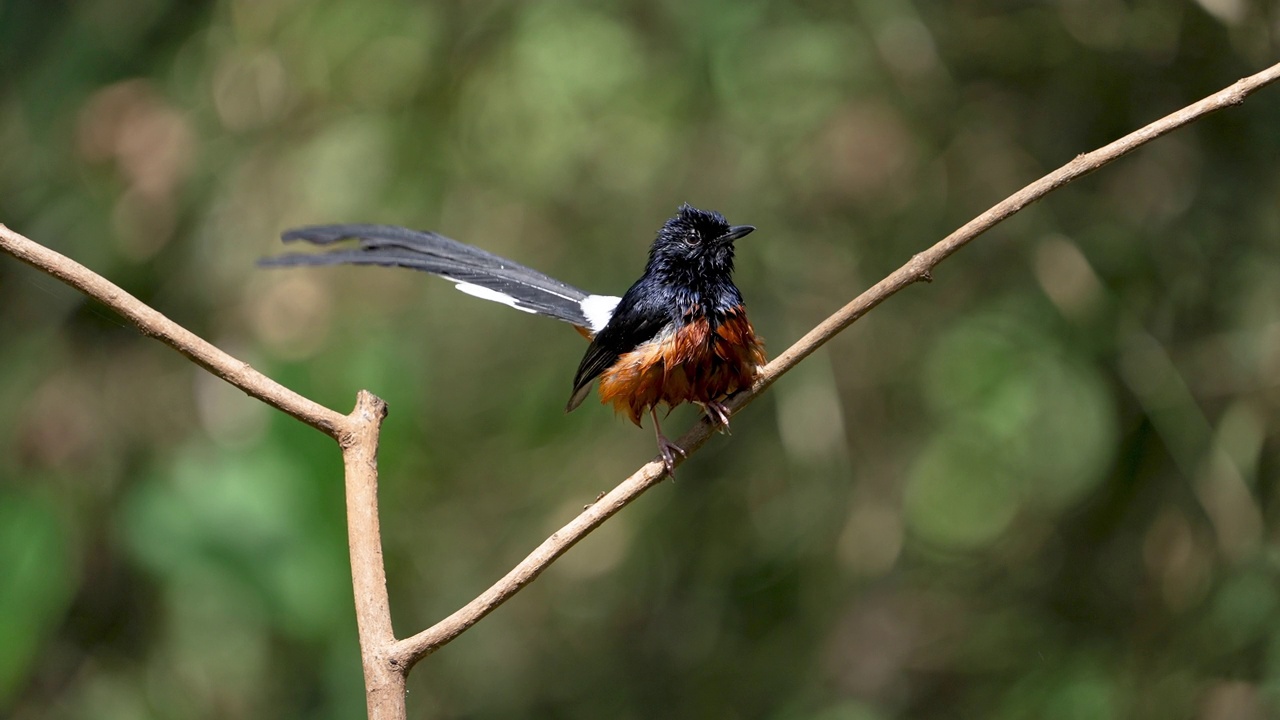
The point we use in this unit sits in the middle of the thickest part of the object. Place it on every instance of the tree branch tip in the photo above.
(366, 397)
(370, 405)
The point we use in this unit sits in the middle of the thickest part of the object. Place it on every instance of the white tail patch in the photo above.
(485, 293)
(598, 309)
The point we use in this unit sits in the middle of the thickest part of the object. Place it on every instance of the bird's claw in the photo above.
(669, 450)
(718, 414)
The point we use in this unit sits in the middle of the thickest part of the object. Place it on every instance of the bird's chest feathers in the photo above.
(703, 354)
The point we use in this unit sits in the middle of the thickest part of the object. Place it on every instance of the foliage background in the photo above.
(1043, 486)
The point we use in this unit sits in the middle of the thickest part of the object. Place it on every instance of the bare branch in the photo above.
(386, 661)
(919, 268)
(384, 677)
(357, 434)
(156, 325)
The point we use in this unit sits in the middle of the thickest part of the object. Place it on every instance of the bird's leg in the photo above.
(666, 448)
(717, 413)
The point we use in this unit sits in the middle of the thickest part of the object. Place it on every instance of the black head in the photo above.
(695, 245)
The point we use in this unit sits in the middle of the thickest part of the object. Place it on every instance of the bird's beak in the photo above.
(735, 232)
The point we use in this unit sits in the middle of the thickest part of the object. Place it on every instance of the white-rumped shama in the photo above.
(679, 334)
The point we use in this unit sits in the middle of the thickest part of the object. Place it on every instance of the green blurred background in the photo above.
(1042, 487)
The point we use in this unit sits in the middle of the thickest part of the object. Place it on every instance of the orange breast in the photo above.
(694, 364)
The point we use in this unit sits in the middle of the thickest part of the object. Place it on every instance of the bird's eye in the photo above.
(691, 237)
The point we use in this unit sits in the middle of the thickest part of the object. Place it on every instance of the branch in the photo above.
(386, 661)
(156, 325)
(357, 434)
(384, 679)
(410, 650)
(919, 268)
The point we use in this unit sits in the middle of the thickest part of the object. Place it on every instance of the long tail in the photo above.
(475, 271)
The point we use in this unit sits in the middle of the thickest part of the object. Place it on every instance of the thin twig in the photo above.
(410, 650)
(920, 266)
(156, 325)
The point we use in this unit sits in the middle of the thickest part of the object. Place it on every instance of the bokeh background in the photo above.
(1043, 486)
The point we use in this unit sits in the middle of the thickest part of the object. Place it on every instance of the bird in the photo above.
(679, 334)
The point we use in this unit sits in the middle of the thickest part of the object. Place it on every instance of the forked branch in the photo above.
(387, 661)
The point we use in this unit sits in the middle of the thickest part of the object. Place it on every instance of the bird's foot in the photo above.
(668, 450)
(718, 414)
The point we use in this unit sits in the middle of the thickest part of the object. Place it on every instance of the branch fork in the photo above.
(387, 660)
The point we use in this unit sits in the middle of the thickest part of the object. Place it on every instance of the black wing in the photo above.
(641, 316)
(477, 272)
